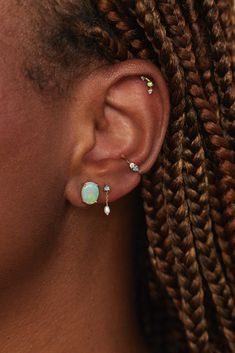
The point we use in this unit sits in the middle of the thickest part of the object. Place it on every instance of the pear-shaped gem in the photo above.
(107, 210)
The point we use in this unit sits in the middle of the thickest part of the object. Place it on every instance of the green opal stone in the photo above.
(150, 84)
(90, 193)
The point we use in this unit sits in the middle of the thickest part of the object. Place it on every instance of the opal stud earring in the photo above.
(134, 167)
(149, 83)
(90, 193)
(107, 208)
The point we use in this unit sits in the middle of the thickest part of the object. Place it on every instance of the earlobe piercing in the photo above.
(149, 83)
(90, 193)
(134, 167)
(107, 208)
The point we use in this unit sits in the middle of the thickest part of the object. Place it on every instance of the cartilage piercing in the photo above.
(149, 83)
(107, 208)
(134, 167)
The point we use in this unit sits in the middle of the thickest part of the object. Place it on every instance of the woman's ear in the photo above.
(119, 110)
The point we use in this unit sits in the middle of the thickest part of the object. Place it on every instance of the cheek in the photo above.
(32, 167)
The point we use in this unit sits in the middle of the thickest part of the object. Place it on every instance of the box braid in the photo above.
(161, 256)
(209, 88)
(227, 20)
(225, 9)
(197, 187)
(192, 311)
(189, 193)
(225, 246)
(126, 26)
(200, 47)
(222, 61)
(224, 78)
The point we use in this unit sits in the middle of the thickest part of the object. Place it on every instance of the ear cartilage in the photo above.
(149, 84)
(107, 208)
(134, 167)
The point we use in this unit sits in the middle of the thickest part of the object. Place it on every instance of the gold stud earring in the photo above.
(149, 83)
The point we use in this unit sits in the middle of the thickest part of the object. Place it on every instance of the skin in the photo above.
(66, 269)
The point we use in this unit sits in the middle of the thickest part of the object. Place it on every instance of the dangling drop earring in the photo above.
(149, 83)
(107, 208)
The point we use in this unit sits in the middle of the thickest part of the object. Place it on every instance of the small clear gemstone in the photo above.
(132, 165)
(107, 188)
(107, 210)
(150, 91)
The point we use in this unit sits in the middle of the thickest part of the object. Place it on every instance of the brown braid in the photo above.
(226, 249)
(204, 68)
(189, 193)
(179, 226)
(224, 79)
(197, 187)
(160, 249)
(200, 48)
(126, 27)
(223, 66)
(225, 18)
(225, 7)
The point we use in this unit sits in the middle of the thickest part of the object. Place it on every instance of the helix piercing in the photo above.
(149, 83)
(134, 167)
(107, 208)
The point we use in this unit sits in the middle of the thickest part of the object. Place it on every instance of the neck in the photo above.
(80, 296)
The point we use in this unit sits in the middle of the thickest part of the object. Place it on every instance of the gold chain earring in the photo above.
(107, 208)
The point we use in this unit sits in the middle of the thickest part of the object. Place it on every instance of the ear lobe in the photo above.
(129, 121)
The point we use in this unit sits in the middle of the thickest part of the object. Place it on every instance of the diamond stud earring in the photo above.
(149, 83)
(134, 167)
(107, 208)
(90, 193)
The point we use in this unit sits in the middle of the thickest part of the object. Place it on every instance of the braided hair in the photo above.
(189, 193)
